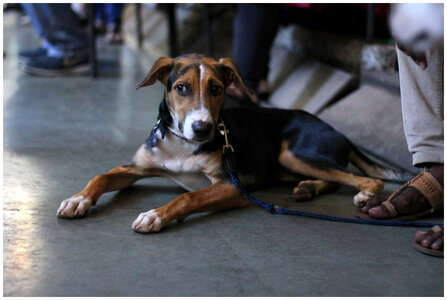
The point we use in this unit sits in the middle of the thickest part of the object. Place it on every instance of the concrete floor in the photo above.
(60, 132)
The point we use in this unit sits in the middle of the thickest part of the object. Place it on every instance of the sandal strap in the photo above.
(432, 190)
(390, 208)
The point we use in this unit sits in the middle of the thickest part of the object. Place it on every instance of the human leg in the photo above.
(255, 28)
(422, 111)
(60, 27)
(66, 46)
(100, 19)
(113, 18)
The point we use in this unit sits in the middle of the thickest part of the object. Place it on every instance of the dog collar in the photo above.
(154, 136)
(179, 136)
(220, 127)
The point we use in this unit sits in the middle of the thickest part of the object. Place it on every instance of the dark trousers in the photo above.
(256, 25)
(255, 28)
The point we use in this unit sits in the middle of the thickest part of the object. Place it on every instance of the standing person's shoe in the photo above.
(53, 66)
(113, 35)
(26, 55)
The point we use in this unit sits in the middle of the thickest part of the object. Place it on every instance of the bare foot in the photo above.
(431, 239)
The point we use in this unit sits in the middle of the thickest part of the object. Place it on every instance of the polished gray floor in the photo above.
(60, 132)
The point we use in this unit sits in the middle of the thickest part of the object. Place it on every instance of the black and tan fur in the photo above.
(186, 141)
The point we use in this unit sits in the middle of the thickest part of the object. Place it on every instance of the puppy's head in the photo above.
(195, 91)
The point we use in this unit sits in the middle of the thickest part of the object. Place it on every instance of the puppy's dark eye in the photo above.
(182, 89)
(216, 90)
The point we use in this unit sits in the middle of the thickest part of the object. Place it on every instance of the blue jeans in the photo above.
(109, 13)
(61, 28)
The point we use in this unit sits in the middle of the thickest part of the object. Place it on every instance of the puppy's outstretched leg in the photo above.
(116, 179)
(218, 196)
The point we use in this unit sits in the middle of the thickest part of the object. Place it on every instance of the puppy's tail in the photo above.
(375, 170)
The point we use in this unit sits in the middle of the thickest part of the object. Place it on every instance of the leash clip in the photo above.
(156, 125)
(223, 131)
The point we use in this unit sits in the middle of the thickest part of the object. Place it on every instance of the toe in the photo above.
(438, 244)
(145, 224)
(373, 201)
(81, 209)
(69, 210)
(431, 238)
(379, 212)
(137, 221)
(62, 207)
(419, 236)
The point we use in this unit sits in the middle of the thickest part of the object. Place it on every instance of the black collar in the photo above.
(179, 136)
(153, 136)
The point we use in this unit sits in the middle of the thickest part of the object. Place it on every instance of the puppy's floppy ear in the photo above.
(233, 75)
(160, 70)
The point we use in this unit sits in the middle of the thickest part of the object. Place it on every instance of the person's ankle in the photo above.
(435, 169)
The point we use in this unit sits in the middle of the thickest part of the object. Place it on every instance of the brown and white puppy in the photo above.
(185, 142)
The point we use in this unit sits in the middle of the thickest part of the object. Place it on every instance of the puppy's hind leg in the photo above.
(367, 186)
(308, 189)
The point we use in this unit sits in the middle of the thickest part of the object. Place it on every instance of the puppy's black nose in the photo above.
(202, 128)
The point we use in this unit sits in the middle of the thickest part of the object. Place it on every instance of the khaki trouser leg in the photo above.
(422, 93)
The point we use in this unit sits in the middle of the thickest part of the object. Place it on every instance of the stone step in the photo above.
(281, 64)
(311, 86)
(371, 117)
(351, 54)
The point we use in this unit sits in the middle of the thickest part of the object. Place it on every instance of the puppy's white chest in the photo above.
(182, 164)
(178, 157)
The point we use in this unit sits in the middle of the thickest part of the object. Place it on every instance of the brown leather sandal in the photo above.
(427, 185)
(429, 251)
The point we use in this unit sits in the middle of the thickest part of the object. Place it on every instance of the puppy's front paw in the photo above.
(148, 222)
(361, 198)
(74, 207)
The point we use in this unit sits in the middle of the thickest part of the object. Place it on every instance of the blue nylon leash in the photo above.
(285, 211)
(230, 166)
